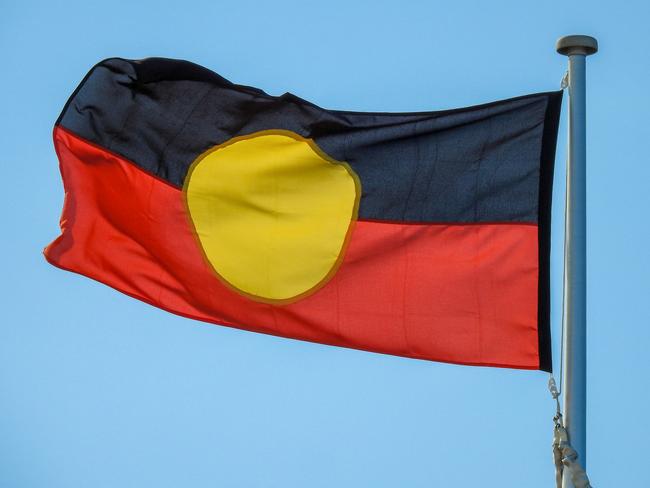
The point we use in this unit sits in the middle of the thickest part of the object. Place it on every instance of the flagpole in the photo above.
(574, 383)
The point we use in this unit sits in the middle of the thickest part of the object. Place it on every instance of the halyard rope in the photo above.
(564, 456)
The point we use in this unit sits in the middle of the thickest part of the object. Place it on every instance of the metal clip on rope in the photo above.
(564, 84)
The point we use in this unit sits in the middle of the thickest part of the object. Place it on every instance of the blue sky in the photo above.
(98, 389)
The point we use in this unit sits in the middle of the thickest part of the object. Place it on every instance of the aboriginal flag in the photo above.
(422, 234)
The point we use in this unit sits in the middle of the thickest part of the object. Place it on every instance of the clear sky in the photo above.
(100, 390)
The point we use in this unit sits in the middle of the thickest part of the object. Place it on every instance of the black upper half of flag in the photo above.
(487, 163)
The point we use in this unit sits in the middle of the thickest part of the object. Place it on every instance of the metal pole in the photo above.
(574, 378)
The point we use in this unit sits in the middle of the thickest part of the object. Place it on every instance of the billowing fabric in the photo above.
(423, 235)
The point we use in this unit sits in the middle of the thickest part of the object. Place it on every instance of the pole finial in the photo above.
(569, 45)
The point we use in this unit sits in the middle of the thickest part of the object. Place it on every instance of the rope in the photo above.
(564, 456)
(564, 84)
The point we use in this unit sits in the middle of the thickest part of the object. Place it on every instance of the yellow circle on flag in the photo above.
(272, 213)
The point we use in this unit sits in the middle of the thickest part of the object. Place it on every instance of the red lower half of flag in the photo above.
(460, 293)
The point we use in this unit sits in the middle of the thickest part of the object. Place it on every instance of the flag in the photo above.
(422, 234)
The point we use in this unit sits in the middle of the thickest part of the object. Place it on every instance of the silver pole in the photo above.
(574, 378)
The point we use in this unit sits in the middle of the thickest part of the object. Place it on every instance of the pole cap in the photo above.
(569, 45)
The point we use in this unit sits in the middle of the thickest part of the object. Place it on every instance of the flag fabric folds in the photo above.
(423, 234)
